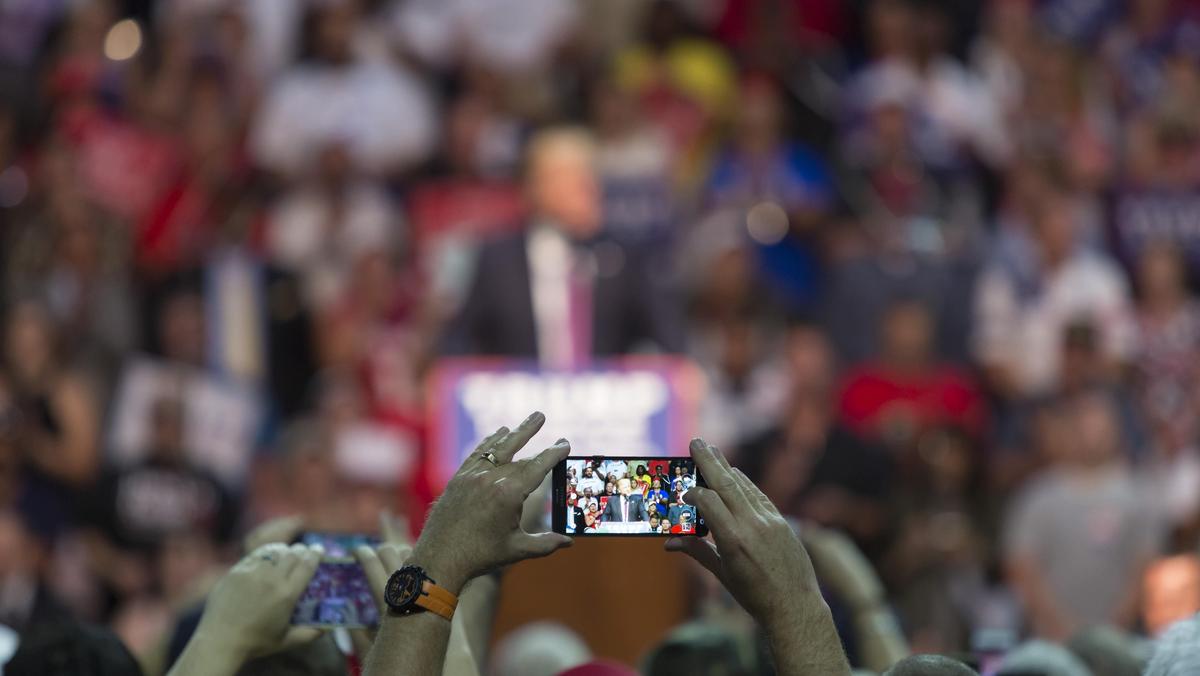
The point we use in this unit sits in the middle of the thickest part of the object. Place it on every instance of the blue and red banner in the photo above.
(630, 406)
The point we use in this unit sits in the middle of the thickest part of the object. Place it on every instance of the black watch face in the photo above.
(403, 587)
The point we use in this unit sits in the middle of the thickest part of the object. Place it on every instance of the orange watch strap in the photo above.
(437, 600)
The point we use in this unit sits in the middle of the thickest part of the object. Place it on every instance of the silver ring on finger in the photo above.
(490, 457)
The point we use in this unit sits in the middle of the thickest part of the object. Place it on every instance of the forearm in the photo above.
(203, 657)
(416, 644)
(804, 641)
(410, 645)
(477, 610)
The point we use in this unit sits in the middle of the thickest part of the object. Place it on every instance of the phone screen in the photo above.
(607, 496)
(339, 594)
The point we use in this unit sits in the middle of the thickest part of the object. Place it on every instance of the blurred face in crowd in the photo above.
(656, 484)
(1176, 141)
(907, 334)
(1010, 21)
(562, 183)
(614, 110)
(891, 25)
(810, 357)
(587, 472)
(610, 488)
(28, 347)
(587, 493)
(948, 456)
(335, 30)
(808, 418)
(932, 31)
(1082, 362)
(739, 349)
(1161, 273)
(1171, 592)
(1054, 228)
(182, 328)
(167, 430)
(1095, 433)
(758, 117)
(18, 551)
(333, 166)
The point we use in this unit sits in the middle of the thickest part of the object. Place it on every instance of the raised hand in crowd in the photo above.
(248, 613)
(758, 558)
(474, 528)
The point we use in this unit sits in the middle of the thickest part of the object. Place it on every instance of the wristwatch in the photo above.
(409, 590)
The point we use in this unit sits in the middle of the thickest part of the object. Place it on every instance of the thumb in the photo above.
(530, 546)
(703, 551)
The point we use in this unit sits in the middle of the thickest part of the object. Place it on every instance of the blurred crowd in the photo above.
(935, 258)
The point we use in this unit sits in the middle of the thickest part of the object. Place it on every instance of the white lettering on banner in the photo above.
(599, 412)
(1175, 218)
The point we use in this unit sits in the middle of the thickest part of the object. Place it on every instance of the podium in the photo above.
(621, 595)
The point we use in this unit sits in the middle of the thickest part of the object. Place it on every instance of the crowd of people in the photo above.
(937, 261)
(629, 491)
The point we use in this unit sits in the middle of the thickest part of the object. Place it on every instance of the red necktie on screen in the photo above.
(579, 309)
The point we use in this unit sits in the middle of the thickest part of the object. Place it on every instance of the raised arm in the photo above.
(474, 528)
(248, 613)
(758, 558)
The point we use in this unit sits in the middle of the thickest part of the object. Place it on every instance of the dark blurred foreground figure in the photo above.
(930, 665)
(49, 641)
(697, 650)
(562, 291)
(1176, 654)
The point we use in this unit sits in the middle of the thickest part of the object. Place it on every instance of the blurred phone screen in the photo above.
(339, 594)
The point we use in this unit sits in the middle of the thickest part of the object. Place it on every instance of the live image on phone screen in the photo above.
(627, 496)
(339, 594)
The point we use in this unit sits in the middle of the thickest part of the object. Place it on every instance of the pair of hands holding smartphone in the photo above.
(475, 527)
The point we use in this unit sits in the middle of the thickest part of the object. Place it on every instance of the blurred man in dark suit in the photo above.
(562, 291)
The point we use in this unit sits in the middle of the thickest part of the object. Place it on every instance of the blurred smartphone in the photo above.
(338, 595)
(600, 496)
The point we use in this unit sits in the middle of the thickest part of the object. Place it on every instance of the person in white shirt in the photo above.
(615, 468)
(382, 113)
(1022, 308)
(590, 482)
(588, 499)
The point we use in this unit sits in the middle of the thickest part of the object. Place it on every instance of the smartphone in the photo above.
(339, 594)
(599, 496)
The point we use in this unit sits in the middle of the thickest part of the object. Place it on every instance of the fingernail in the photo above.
(319, 548)
(562, 442)
(697, 444)
(534, 417)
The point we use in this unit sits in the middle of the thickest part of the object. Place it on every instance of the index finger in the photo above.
(717, 475)
(515, 440)
(531, 471)
(373, 568)
(303, 565)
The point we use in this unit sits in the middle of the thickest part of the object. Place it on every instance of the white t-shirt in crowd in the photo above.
(1023, 331)
(383, 115)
